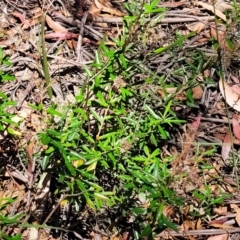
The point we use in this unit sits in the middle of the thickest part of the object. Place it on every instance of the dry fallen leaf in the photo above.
(238, 216)
(199, 27)
(197, 92)
(221, 137)
(219, 237)
(106, 8)
(196, 27)
(219, 34)
(236, 89)
(118, 83)
(234, 78)
(199, 224)
(236, 127)
(180, 95)
(218, 221)
(220, 210)
(25, 22)
(212, 9)
(222, 226)
(230, 95)
(61, 35)
(227, 144)
(55, 26)
(93, 10)
(196, 123)
(222, 6)
(29, 151)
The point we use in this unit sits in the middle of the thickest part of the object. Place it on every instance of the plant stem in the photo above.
(44, 59)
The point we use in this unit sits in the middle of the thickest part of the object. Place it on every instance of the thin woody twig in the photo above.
(59, 202)
(204, 232)
(215, 120)
(80, 37)
(64, 60)
(187, 19)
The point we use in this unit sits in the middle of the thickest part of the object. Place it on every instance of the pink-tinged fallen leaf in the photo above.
(218, 221)
(25, 22)
(236, 127)
(221, 137)
(55, 26)
(222, 226)
(61, 35)
(238, 216)
(234, 78)
(226, 148)
(195, 124)
(236, 89)
(230, 94)
(219, 237)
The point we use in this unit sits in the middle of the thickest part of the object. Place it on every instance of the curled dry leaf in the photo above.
(226, 148)
(196, 27)
(197, 92)
(105, 3)
(236, 127)
(230, 94)
(218, 221)
(212, 9)
(55, 26)
(23, 20)
(93, 10)
(220, 210)
(222, 6)
(107, 8)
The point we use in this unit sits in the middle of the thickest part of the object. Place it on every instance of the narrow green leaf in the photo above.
(45, 161)
(16, 237)
(87, 70)
(146, 231)
(165, 222)
(85, 193)
(101, 196)
(53, 112)
(139, 210)
(7, 77)
(95, 114)
(98, 58)
(64, 155)
(151, 112)
(167, 108)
